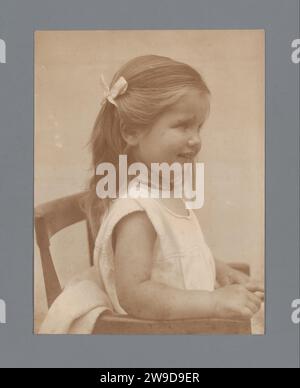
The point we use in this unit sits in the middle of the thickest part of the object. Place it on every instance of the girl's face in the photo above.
(175, 135)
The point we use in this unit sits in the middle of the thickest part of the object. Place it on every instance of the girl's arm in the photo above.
(143, 298)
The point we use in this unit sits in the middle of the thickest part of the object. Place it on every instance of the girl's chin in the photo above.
(183, 160)
(180, 160)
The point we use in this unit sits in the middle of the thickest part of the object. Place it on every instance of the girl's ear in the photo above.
(131, 137)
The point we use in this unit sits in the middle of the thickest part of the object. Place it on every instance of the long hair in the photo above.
(154, 84)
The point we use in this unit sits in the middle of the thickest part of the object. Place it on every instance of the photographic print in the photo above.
(149, 193)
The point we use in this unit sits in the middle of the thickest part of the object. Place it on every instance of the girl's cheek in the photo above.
(181, 137)
(175, 133)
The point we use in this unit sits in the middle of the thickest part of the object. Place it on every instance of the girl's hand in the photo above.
(237, 301)
(227, 276)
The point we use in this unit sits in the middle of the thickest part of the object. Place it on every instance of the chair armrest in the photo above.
(124, 324)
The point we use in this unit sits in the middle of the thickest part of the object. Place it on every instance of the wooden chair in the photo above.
(52, 217)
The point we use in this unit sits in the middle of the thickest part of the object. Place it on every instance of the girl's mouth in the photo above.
(187, 156)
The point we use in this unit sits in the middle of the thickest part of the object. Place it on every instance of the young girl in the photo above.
(151, 254)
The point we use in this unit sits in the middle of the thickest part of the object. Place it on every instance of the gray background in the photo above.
(18, 346)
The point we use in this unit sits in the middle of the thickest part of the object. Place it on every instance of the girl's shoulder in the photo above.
(120, 208)
(124, 205)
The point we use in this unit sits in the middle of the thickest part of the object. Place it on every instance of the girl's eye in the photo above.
(179, 126)
(185, 126)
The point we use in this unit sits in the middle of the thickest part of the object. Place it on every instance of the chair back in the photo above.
(49, 219)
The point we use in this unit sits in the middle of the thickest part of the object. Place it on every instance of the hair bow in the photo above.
(117, 90)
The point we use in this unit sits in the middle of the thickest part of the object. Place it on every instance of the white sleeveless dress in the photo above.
(181, 257)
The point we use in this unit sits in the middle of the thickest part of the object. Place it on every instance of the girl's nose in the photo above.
(195, 142)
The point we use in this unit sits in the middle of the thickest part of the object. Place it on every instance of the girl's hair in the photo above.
(154, 84)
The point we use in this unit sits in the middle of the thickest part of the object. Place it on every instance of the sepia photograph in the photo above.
(149, 182)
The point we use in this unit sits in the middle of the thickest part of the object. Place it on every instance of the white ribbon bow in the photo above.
(117, 90)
